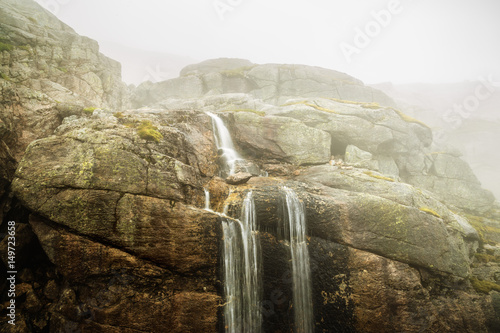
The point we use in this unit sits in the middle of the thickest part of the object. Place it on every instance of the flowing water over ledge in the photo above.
(242, 273)
(242, 255)
(301, 272)
(225, 145)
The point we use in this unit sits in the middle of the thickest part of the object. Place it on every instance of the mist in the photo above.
(398, 46)
(250, 166)
(375, 41)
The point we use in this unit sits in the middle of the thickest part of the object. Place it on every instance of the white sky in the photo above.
(426, 41)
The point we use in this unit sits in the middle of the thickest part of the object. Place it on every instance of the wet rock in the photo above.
(239, 178)
(116, 197)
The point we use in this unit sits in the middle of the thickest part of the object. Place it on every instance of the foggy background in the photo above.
(428, 55)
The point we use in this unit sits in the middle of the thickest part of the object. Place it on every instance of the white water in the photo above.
(207, 199)
(301, 273)
(224, 142)
(242, 285)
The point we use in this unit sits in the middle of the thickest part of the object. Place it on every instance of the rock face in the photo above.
(113, 237)
(47, 71)
(272, 83)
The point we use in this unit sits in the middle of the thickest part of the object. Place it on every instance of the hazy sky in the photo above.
(407, 41)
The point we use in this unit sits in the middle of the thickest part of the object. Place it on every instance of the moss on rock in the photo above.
(89, 111)
(484, 286)
(148, 132)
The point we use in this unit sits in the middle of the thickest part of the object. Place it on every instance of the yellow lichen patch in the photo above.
(147, 131)
(366, 105)
(486, 258)
(317, 107)
(484, 286)
(430, 211)
(371, 174)
(236, 72)
(118, 115)
(259, 113)
(89, 110)
(482, 229)
(407, 118)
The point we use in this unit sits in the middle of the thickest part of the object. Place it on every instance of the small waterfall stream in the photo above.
(301, 272)
(242, 257)
(243, 284)
(207, 199)
(225, 144)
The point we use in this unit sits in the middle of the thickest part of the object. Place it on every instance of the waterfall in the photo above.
(207, 199)
(225, 144)
(242, 285)
(301, 273)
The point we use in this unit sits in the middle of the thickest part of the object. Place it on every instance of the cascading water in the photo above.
(225, 144)
(207, 199)
(301, 273)
(242, 285)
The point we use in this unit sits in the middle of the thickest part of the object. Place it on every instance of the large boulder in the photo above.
(281, 138)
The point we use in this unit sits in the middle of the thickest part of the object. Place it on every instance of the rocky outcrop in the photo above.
(47, 71)
(125, 211)
(272, 83)
(110, 201)
(310, 131)
(97, 185)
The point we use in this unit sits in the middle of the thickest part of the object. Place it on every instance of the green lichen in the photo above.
(4, 76)
(371, 174)
(24, 47)
(6, 47)
(148, 132)
(118, 115)
(484, 286)
(430, 211)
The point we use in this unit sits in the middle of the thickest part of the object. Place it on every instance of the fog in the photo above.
(452, 46)
(390, 40)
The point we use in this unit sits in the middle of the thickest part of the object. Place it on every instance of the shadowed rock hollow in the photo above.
(109, 199)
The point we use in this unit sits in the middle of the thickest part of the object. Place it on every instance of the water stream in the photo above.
(301, 272)
(225, 145)
(207, 199)
(242, 286)
(242, 272)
